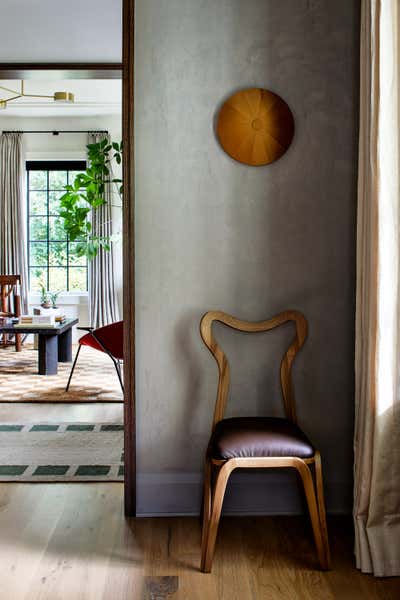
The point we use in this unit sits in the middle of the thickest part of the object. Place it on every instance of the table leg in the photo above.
(48, 354)
(65, 346)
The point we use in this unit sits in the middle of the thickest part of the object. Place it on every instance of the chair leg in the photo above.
(321, 507)
(206, 501)
(118, 369)
(309, 490)
(211, 530)
(18, 342)
(73, 367)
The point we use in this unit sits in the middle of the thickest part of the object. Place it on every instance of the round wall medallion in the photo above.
(255, 126)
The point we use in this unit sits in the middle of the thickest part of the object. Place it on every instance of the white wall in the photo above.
(59, 31)
(69, 146)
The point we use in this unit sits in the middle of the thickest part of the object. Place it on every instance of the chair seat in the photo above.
(111, 338)
(244, 437)
(89, 340)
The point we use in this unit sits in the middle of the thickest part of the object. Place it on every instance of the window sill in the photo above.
(68, 298)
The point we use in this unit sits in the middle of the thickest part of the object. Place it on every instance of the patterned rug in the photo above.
(61, 452)
(94, 379)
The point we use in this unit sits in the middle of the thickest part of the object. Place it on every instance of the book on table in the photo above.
(40, 321)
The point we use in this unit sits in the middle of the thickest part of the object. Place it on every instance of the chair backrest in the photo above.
(112, 338)
(253, 327)
(9, 284)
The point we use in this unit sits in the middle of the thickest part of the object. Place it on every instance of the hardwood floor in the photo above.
(71, 542)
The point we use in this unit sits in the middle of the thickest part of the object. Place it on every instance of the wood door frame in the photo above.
(124, 71)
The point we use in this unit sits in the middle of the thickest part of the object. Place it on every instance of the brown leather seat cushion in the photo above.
(243, 437)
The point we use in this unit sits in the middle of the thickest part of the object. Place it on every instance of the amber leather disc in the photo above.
(255, 126)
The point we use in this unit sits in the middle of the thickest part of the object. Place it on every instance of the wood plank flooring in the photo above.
(71, 542)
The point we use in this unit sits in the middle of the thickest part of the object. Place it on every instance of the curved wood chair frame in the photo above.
(8, 287)
(220, 470)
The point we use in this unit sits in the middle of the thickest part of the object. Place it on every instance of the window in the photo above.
(52, 257)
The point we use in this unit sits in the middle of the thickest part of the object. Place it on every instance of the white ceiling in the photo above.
(95, 97)
(57, 31)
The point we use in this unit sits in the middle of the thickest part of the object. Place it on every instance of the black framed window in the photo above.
(52, 258)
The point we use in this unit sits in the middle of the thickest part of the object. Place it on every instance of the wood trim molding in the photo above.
(61, 70)
(129, 255)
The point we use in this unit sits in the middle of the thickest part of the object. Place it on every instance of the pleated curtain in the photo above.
(103, 306)
(377, 363)
(13, 255)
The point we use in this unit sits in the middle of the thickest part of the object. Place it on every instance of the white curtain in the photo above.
(12, 213)
(103, 303)
(377, 417)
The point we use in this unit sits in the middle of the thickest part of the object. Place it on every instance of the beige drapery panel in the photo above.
(377, 362)
(12, 214)
(103, 305)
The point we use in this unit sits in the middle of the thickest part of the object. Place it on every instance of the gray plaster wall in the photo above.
(215, 234)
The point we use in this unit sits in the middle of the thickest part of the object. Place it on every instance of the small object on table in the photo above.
(57, 313)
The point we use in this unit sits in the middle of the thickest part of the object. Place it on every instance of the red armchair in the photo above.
(107, 339)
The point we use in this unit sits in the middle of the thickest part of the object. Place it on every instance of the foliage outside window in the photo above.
(53, 259)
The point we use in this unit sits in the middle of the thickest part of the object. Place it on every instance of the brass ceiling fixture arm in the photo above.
(3, 87)
(67, 97)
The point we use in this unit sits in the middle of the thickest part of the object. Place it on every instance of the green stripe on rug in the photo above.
(11, 428)
(12, 469)
(92, 470)
(51, 470)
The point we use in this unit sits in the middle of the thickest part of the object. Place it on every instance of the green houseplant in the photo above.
(44, 297)
(53, 298)
(86, 194)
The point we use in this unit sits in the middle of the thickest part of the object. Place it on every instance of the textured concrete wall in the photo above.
(215, 234)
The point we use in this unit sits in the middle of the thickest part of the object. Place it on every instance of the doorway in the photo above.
(110, 72)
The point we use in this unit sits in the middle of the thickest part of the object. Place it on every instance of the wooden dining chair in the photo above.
(258, 442)
(10, 306)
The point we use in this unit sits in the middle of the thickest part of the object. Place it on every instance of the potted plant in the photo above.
(86, 194)
(44, 297)
(53, 298)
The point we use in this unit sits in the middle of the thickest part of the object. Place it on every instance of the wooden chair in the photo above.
(10, 305)
(258, 442)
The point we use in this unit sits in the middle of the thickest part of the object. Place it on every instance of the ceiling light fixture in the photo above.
(64, 97)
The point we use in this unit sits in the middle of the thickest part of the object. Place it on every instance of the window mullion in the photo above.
(28, 230)
(67, 246)
(48, 231)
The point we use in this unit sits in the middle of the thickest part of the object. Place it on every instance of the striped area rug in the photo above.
(61, 452)
(94, 380)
